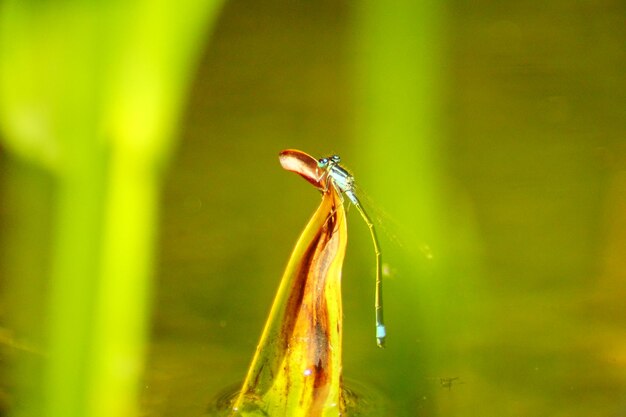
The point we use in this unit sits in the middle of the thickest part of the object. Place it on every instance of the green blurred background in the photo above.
(489, 138)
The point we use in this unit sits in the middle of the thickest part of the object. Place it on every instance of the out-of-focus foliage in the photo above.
(399, 85)
(91, 92)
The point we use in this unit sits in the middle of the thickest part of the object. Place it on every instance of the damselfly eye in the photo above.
(336, 159)
(322, 163)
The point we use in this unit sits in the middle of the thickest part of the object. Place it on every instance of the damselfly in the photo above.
(343, 181)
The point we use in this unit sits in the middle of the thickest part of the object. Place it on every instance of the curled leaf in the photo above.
(296, 370)
(304, 165)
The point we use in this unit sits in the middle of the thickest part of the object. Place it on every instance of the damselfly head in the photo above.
(326, 161)
(322, 162)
